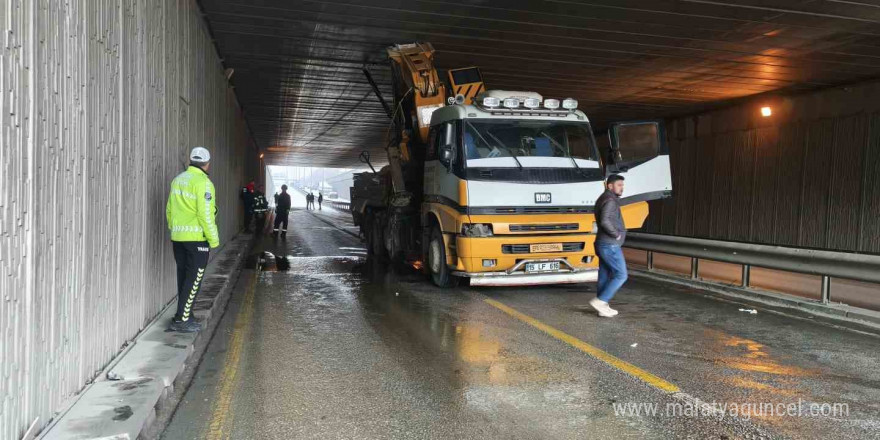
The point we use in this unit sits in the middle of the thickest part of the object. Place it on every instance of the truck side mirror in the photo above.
(447, 150)
(446, 155)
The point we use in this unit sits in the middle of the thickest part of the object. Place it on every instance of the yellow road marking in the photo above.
(220, 426)
(597, 353)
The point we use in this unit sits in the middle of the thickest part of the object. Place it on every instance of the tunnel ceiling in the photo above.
(297, 64)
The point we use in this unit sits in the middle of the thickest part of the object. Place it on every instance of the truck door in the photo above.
(638, 151)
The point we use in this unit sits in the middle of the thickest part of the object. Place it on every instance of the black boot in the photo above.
(188, 326)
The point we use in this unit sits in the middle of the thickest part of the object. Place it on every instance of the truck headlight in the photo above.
(476, 230)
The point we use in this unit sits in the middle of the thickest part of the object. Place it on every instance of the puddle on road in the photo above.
(439, 332)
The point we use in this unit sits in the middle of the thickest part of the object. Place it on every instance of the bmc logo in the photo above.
(542, 197)
(203, 249)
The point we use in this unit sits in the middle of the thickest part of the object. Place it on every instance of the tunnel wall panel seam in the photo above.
(790, 182)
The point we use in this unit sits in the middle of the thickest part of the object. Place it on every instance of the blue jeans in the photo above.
(612, 270)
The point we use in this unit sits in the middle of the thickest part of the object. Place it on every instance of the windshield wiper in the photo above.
(567, 154)
(496, 140)
(512, 154)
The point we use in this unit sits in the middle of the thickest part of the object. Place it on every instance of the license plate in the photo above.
(545, 247)
(542, 267)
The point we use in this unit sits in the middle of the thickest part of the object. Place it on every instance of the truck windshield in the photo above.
(503, 143)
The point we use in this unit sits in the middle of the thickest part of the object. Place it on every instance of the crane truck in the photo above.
(496, 187)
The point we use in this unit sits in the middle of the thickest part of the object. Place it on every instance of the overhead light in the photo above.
(261, 155)
(551, 104)
(570, 104)
(532, 103)
(511, 102)
(766, 111)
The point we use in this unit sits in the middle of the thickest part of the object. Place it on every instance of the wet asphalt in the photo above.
(336, 347)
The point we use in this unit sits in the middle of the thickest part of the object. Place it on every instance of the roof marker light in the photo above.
(551, 104)
(570, 104)
(511, 102)
(532, 103)
(491, 102)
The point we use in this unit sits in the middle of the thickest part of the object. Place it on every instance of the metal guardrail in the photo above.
(342, 206)
(336, 204)
(826, 264)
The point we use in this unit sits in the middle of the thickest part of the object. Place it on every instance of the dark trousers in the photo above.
(248, 215)
(281, 217)
(191, 258)
(259, 221)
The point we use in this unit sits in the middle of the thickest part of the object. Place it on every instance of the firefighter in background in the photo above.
(190, 213)
(261, 205)
(282, 208)
(247, 197)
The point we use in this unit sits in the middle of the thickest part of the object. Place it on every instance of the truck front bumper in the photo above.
(516, 276)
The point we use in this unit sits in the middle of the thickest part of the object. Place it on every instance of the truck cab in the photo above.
(510, 182)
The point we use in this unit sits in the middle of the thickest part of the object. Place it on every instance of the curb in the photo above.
(145, 374)
(835, 314)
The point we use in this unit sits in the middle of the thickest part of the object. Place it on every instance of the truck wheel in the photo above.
(440, 273)
(369, 235)
(377, 241)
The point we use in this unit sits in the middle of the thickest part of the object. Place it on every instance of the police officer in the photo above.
(190, 213)
(261, 205)
(282, 208)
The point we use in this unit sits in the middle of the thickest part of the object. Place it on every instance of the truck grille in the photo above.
(543, 228)
(542, 210)
(524, 248)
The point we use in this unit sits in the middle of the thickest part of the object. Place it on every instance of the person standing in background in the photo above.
(320, 199)
(261, 206)
(247, 197)
(282, 209)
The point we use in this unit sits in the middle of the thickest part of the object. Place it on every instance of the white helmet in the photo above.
(200, 154)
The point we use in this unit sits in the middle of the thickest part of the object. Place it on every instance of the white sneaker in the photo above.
(602, 307)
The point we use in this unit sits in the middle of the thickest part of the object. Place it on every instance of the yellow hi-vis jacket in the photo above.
(191, 208)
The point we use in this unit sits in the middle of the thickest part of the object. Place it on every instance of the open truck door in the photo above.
(638, 151)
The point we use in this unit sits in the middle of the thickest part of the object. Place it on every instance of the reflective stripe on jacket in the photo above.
(191, 208)
(260, 202)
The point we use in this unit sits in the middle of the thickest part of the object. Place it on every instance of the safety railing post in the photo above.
(695, 267)
(650, 260)
(746, 274)
(826, 289)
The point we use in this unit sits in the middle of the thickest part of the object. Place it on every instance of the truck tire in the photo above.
(440, 273)
(377, 240)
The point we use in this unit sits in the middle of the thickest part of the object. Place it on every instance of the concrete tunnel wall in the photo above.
(101, 102)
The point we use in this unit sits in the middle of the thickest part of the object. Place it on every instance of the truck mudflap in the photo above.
(517, 276)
